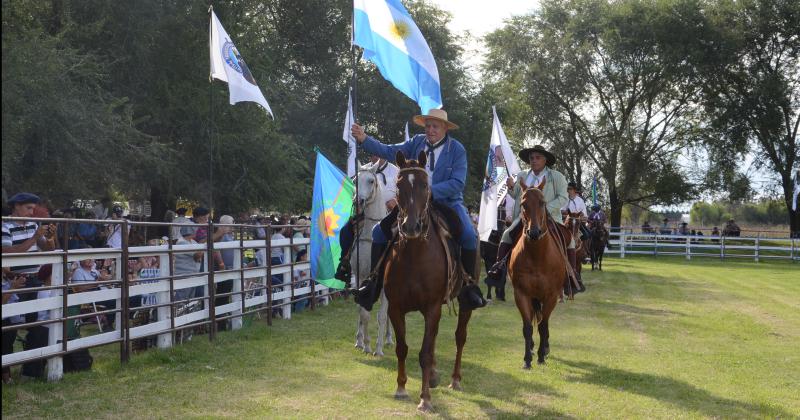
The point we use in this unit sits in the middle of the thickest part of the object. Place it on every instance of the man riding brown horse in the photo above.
(446, 165)
(554, 188)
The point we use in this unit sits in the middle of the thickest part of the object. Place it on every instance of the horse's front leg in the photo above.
(461, 339)
(525, 307)
(382, 317)
(427, 362)
(363, 316)
(359, 331)
(544, 331)
(398, 320)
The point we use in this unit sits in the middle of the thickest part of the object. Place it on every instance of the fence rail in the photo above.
(758, 248)
(177, 301)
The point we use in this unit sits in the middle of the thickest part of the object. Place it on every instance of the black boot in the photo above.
(370, 291)
(470, 297)
(344, 271)
(503, 251)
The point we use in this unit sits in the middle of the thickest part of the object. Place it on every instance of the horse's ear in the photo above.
(522, 184)
(541, 186)
(400, 158)
(422, 159)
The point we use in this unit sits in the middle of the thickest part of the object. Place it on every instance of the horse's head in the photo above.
(573, 222)
(534, 211)
(368, 186)
(413, 194)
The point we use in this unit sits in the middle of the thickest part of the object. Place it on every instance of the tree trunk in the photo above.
(788, 194)
(159, 204)
(616, 208)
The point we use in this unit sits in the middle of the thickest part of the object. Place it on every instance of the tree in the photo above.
(749, 60)
(604, 87)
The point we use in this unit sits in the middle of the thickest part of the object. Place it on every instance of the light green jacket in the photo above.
(555, 192)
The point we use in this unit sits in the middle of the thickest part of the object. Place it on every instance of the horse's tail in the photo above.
(538, 316)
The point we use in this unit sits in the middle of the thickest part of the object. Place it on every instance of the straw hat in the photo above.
(436, 114)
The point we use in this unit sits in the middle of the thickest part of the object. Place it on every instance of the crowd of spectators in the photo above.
(97, 274)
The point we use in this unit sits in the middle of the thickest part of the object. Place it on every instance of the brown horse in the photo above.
(417, 279)
(573, 222)
(597, 245)
(538, 269)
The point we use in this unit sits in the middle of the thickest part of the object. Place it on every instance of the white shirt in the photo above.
(115, 237)
(436, 153)
(534, 180)
(575, 205)
(176, 230)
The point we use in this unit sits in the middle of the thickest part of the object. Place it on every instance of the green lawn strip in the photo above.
(654, 338)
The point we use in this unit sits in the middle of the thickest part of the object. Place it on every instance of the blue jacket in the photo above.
(449, 173)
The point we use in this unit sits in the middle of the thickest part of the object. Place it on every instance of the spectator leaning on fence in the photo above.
(114, 238)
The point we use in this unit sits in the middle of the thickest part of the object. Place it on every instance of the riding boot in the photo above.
(573, 261)
(370, 290)
(585, 234)
(344, 270)
(503, 251)
(470, 297)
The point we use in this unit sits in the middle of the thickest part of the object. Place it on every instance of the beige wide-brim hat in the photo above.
(436, 114)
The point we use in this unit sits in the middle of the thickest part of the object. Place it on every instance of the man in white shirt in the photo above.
(576, 205)
(114, 239)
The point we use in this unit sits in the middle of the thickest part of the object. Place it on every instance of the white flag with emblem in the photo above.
(500, 164)
(229, 66)
(347, 136)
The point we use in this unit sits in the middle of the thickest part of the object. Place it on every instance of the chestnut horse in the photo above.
(573, 222)
(537, 269)
(417, 278)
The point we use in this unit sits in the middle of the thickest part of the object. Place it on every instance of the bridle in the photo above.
(543, 227)
(424, 216)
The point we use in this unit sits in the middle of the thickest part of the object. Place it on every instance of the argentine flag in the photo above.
(391, 40)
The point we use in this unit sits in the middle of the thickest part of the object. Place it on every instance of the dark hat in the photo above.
(23, 198)
(525, 154)
(200, 211)
(181, 210)
(117, 210)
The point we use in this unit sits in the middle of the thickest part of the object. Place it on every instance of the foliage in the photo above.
(763, 212)
(603, 87)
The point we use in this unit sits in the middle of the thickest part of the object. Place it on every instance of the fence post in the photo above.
(212, 313)
(123, 324)
(55, 365)
(757, 245)
(722, 248)
(688, 248)
(164, 313)
(622, 243)
(236, 297)
(655, 248)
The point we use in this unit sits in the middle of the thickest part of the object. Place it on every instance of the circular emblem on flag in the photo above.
(235, 61)
(400, 29)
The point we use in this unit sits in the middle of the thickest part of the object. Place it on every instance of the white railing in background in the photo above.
(757, 248)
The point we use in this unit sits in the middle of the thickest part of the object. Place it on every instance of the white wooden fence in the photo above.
(757, 248)
(242, 301)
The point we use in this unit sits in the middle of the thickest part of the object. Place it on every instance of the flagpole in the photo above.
(356, 228)
(210, 134)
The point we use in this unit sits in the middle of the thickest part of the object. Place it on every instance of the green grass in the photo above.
(652, 338)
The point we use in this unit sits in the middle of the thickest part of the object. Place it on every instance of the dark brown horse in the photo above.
(417, 278)
(597, 245)
(538, 269)
(573, 222)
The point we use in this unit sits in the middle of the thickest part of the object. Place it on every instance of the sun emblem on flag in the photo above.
(400, 29)
(328, 221)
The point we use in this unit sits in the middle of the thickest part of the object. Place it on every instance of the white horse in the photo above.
(370, 199)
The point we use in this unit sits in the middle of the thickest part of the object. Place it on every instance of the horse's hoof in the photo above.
(425, 406)
(541, 361)
(378, 353)
(367, 350)
(359, 346)
(456, 386)
(401, 394)
(527, 366)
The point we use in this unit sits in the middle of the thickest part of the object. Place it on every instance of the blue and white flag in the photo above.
(229, 66)
(796, 192)
(391, 40)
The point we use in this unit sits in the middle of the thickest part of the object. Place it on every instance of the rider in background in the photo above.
(447, 170)
(386, 173)
(576, 205)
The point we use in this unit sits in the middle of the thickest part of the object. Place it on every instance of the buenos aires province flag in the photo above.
(331, 205)
(229, 66)
(391, 40)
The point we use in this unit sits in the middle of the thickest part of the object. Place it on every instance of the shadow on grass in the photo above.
(681, 394)
(473, 375)
(623, 307)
